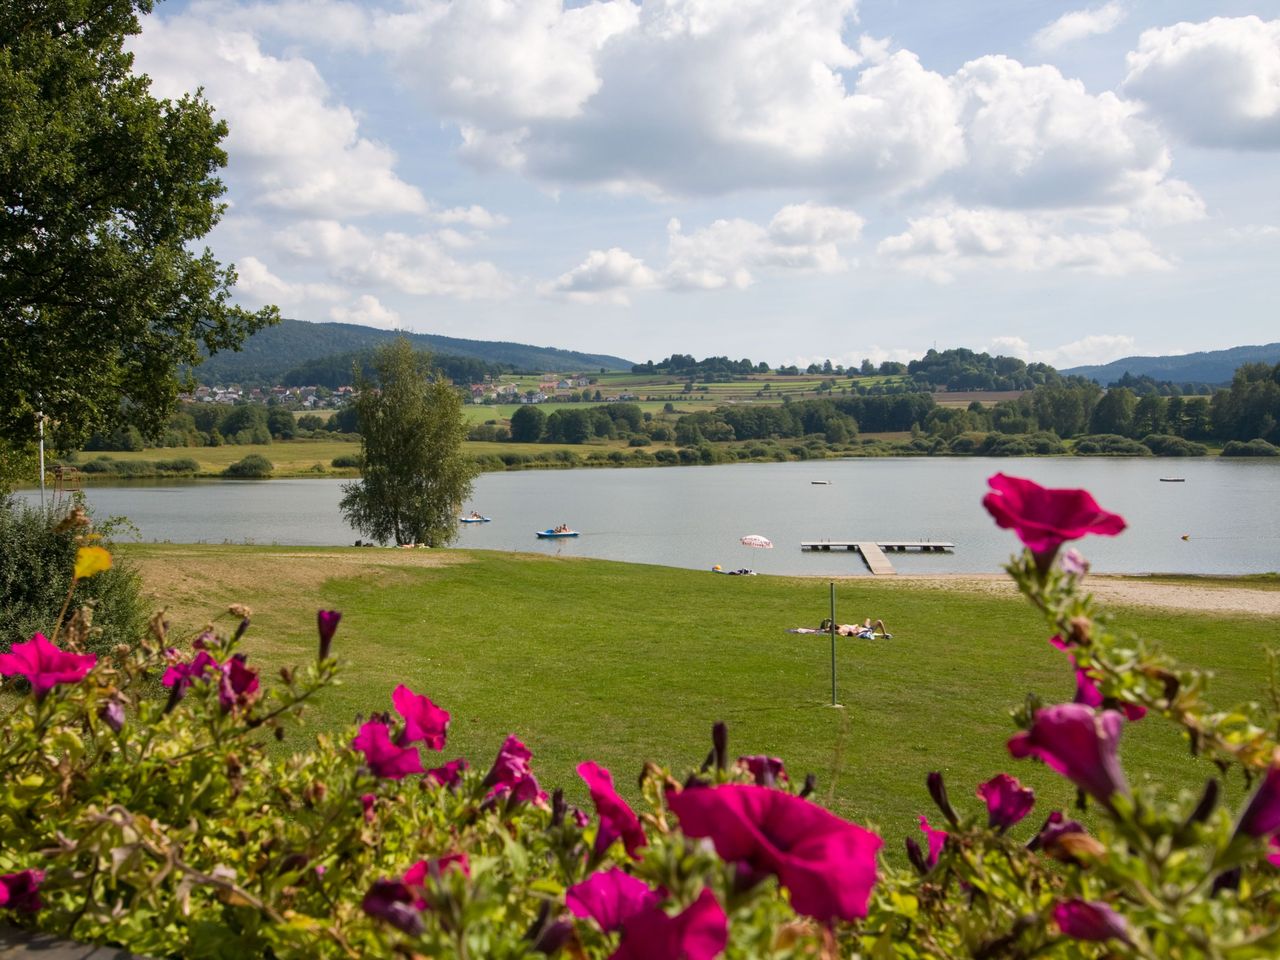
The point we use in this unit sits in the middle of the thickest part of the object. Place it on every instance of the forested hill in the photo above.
(272, 353)
(1213, 366)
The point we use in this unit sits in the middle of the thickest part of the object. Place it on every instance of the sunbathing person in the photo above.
(867, 630)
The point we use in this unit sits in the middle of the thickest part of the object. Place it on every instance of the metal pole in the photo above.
(41, 459)
(833, 644)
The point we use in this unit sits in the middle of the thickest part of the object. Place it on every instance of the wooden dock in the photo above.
(873, 552)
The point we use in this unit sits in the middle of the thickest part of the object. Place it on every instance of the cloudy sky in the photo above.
(784, 180)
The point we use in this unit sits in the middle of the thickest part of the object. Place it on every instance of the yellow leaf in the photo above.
(90, 561)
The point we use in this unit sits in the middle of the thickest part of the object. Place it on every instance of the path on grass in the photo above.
(1201, 597)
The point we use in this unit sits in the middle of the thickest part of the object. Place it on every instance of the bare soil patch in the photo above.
(1201, 597)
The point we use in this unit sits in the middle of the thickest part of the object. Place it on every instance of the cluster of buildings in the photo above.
(295, 398)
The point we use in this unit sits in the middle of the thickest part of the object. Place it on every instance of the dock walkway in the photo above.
(873, 552)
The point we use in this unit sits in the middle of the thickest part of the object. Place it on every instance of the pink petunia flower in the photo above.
(828, 864)
(238, 685)
(1090, 920)
(383, 757)
(1087, 692)
(767, 771)
(423, 721)
(617, 819)
(181, 675)
(610, 897)
(415, 878)
(393, 902)
(1045, 518)
(937, 840)
(1078, 743)
(1261, 815)
(699, 933)
(449, 774)
(511, 774)
(21, 891)
(44, 665)
(1007, 800)
(367, 803)
(327, 623)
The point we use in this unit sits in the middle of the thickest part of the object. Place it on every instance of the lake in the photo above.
(694, 516)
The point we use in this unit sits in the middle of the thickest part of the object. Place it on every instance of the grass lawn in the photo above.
(623, 663)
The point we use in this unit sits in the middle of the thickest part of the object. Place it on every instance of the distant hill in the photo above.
(1213, 366)
(271, 353)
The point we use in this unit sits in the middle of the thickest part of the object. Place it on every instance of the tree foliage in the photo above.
(104, 189)
(415, 474)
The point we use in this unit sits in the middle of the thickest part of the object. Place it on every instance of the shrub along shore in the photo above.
(588, 659)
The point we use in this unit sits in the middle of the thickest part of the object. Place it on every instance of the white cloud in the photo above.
(1093, 349)
(1215, 83)
(300, 151)
(474, 216)
(726, 254)
(955, 240)
(253, 277)
(409, 263)
(1037, 139)
(1077, 25)
(366, 311)
(605, 276)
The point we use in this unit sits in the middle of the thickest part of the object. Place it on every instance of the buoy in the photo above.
(1186, 536)
(716, 568)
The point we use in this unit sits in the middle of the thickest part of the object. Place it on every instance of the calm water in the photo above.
(694, 516)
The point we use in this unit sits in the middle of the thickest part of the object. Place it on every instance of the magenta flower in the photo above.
(512, 775)
(937, 840)
(238, 685)
(610, 897)
(415, 878)
(393, 902)
(367, 802)
(617, 819)
(1007, 800)
(1261, 816)
(1079, 744)
(327, 621)
(383, 757)
(1087, 692)
(448, 775)
(1273, 853)
(423, 720)
(1045, 518)
(1090, 920)
(699, 933)
(828, 864)
(181, 675)
(44, 665)
(766, 770)
(21, 891)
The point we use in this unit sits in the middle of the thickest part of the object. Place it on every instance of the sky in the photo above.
(781, 180)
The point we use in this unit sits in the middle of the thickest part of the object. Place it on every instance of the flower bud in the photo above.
(938, 790)
(112, 714)
(720, 743)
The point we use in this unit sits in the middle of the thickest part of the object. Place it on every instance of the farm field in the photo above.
(626, 663)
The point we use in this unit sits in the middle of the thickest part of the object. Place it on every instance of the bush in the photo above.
(666, 455)
(347, 461)
(1167, 445)
(254, 466)
(169, 827)
(1251, 448)
(182, 465)
(1110, 445)
(639, 441)
(37, 556)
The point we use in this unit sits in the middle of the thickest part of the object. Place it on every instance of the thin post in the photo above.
(833, 644)
(42, 460)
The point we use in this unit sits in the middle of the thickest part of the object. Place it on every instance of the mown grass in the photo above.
(625, 663)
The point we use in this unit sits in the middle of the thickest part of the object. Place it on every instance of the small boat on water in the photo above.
(556, 534)
(474, 519)
(1173, 479)
(820, 483)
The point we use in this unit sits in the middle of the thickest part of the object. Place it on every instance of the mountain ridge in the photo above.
(272, 352)
(1206, 366)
